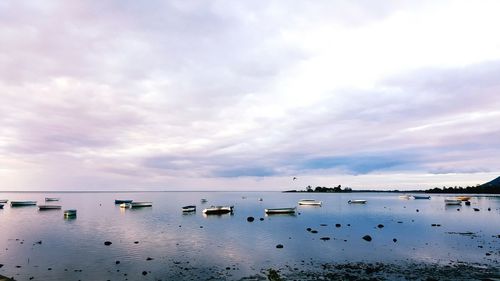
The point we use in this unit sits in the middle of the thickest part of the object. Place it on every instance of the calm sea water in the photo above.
(194, 246)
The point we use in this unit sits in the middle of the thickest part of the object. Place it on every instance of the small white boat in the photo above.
(4, 200)
(421, 197)
(218, 210)
(463, 198)
(121, 201)
(70, 213)
(357, 201)
(190, 208)
(22, 203)
(310, 202)
(49, 207)
(49, 199)
(280, 211)
(449, 201)
(125, 205)
(406, 197)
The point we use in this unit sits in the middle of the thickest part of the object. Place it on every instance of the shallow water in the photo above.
(194, 246)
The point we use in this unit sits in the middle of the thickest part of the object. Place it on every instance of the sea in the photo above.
(163, 243)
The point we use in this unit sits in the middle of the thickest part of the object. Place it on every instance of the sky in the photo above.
(246, 95)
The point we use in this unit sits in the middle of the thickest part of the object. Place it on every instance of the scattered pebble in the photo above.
(367, 238)
(279, 246)
(250, 219)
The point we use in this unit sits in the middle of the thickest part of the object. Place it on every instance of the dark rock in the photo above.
(279, 246)
(18, 266)
(418, 211)
(380, 226)
(323, 224)
(489, 209)
(400, 222)
(144, 273)
(394, 240)
(261, 219)
(107, 243)
(308, 229)
(467, 203)
(367, 238)
(250, 219)
(1, 265)
(348, 224)
(458, 210)
(325, 238)
(476, 209)
(39, 242)
(488, 254)
(438, 225)
(433, 224)
(117, 262)
(338, 225)
(49, 268)
(136, 242)
(228, 268)
(149, 259)
(314, 231)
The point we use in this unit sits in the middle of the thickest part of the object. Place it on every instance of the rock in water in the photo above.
(476, 209)
(279, 246)
(325, 238)
(394, 240)
(367, 238)
(380, 226)
(107, 243)
(250, 219)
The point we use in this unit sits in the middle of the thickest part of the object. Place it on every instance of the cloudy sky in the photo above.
(245, 95)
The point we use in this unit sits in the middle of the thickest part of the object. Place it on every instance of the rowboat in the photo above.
(49, 207)
(69, 213)
(357, 201)
(48, 199)
(4, 200)
(311, 202)
(136, 205)
(120, 201)
(280, 211)
(404, 197)
(449, 201)
(190, 208)
(218, 210)
(421, 197)
(22, 203)
(463, 198)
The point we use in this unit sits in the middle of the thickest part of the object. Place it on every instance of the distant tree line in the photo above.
(478, 189)
(324, 189)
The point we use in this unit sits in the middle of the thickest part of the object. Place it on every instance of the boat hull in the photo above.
(453, 202)
(70, 213)
(358, 201)
(187, 209)
(49, 207)
(118, 201)
(141, 204)
(4, 201)
(420, 197)
(51, 199)
(219, 210)
(279, 211)
(22, 203)
(310, 202)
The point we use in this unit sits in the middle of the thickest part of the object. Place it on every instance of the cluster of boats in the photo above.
(457, 200)
(44, 207)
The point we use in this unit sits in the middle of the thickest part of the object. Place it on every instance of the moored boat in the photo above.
(189, 208)
(357, 201)
(463, 198)
(203, 200)
(141, 204)
(449, 201)
(125, 205)
(22, 203)
(70, 213)
(280, 211)
(121, 201)
(50, 199)
(421, 197)
(218, 210)
(404, 197)
(4, 200)
(49, 207)
(311, 202)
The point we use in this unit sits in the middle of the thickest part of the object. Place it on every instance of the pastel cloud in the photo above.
(179, 94)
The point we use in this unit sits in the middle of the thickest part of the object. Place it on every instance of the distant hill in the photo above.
(491, 187)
